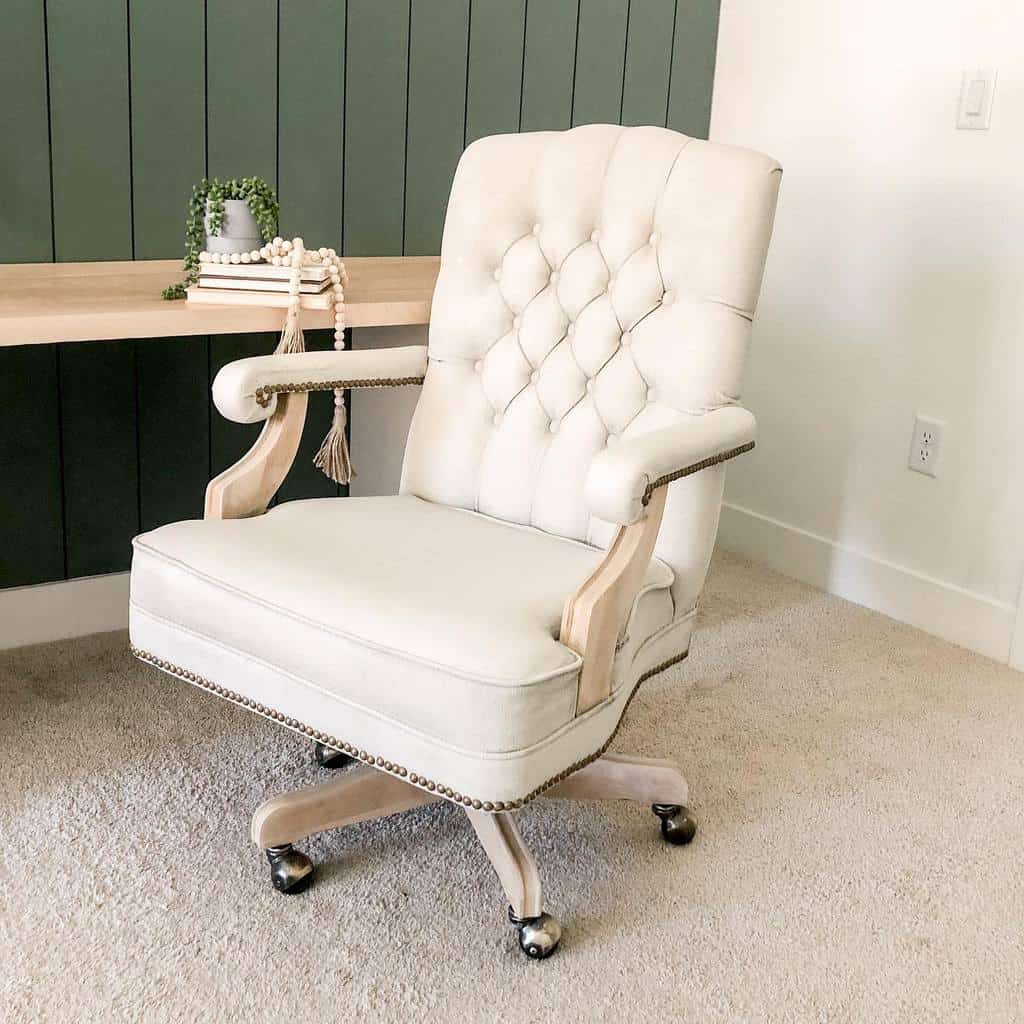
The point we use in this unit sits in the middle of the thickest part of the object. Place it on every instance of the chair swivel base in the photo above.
(363, 793)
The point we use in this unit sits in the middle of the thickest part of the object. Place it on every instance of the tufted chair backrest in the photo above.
(595, 284)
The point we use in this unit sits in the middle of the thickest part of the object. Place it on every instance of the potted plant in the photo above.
(225, 216)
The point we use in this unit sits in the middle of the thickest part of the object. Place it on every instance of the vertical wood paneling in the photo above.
(169, 157)
(312, 106)
(31, 529)
(241, 83)
(437, 104)
(376, 86)
(600, 57)
(356, 111)
(548, 66)
(25, 229)
(495, 91)
(693, 67)
(92, 173)
(648, 61)
(101, 484)
(92, 195)
(241, 119)
(311, 98)
(168, 120)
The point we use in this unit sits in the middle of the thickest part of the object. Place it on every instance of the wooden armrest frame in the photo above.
(245, 489)
(593, 617)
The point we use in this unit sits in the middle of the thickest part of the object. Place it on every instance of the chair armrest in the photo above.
(622, 479)
(246, 390)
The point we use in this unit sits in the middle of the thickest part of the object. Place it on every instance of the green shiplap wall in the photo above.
(357, 111)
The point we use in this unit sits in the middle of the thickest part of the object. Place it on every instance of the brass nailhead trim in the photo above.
(695, 468)
(266, 391)
(395, 769)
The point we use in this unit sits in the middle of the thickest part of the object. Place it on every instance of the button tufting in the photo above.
(516, 321)
(534, 377)
(611, 440)
(627, 338)
(554, 425)
(611, 283)
(497, 274)
(653, 240)
(571, 329)
(666, 299)
(590, 385)
(497, 418)
(478, 365)
(595, 235)
(536, 229)
(554, 277)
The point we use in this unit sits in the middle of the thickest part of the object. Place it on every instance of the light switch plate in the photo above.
(977, 87)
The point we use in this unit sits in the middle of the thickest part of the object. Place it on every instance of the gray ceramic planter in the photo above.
(238, 233)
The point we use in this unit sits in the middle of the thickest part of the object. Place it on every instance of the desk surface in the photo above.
(62, 302)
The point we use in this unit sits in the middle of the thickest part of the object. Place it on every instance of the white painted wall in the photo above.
(895, 285)
(381, 418)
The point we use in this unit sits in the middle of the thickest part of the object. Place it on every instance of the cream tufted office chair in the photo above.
(477, 637)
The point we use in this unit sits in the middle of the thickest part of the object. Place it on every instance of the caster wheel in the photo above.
(328, 757)
(291, 872)
(678, 825)
(538, 936)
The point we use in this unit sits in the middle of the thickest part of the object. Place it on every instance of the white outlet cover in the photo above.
(926, 446)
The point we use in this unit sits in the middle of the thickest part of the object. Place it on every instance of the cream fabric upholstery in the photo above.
(236, 385)
(386, 622)
(595, 285)
(588, 334)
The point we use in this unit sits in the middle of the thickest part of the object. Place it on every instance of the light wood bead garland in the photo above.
(333, 457)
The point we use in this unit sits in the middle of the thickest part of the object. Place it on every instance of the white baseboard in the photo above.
(960, 616)
(56, 611)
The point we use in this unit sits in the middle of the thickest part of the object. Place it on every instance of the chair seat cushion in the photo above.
(412, 616)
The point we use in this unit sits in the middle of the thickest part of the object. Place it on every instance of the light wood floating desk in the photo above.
(42, 303)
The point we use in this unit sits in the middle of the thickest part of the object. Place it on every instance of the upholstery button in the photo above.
(554, 425)
(478, 365)
(497, 274)
(571, 329)
(666, 299)
(611, 283)
(554, 277)
(590, 385)
(516, 321)
(653, 240)
(536, 229)
(611, 440)
(534, 377)
(626, 339)
(595, 235)
(497, 418)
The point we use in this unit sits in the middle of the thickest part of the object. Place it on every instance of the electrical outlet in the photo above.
(925, 446)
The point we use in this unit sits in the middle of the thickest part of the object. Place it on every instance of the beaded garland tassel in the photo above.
(333, 457)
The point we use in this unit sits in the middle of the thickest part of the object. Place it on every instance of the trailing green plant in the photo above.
(208, 199)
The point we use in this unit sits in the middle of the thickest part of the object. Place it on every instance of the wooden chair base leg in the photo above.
(647, 780)
(360, 794)
(539, 933)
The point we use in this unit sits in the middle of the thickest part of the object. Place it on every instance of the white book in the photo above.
(266, 271)
(275, 300)
(254, 285)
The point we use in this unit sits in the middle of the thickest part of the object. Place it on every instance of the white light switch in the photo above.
(976, 89)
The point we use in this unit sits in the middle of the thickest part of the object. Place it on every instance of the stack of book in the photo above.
(259, 284)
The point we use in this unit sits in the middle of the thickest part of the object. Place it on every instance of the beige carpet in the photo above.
(860, 788)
